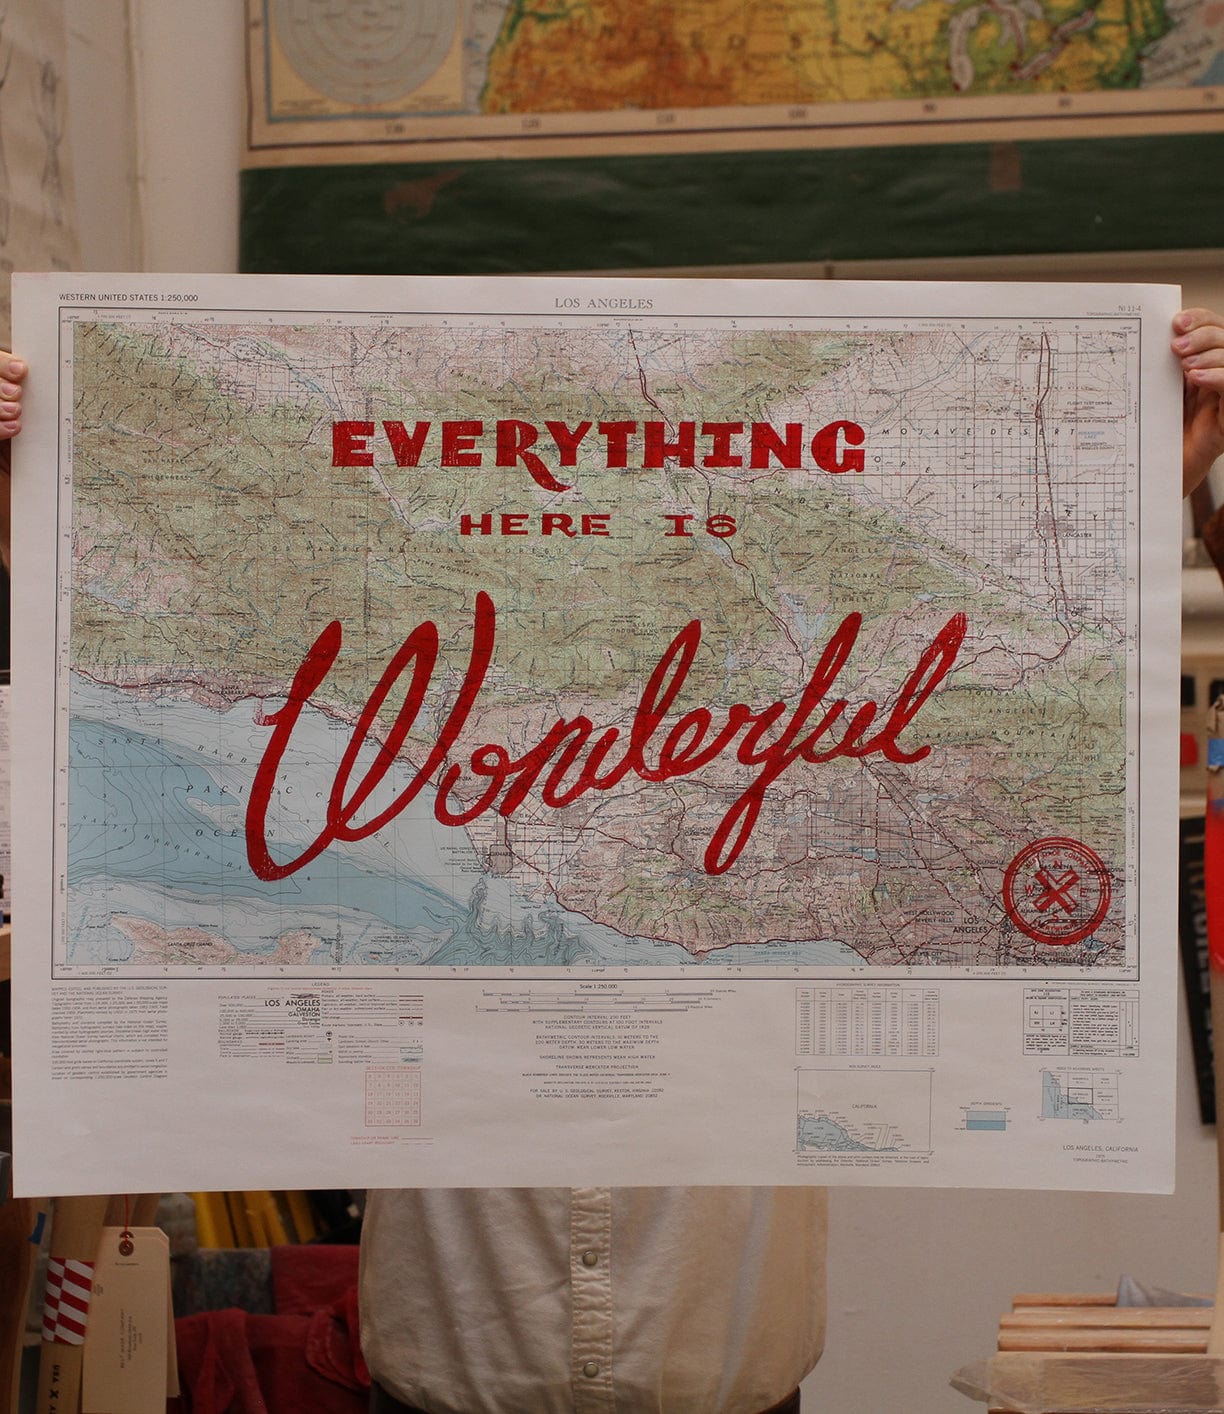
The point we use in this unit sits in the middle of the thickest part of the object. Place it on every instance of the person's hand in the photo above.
(1198, 342)
(12, 379)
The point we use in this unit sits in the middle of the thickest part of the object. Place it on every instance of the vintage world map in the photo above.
(499, 57)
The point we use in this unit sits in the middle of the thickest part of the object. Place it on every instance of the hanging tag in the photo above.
(126, 1355)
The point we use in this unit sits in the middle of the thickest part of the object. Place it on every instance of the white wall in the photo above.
(101, 133)
(917, 1279)
(156, 105)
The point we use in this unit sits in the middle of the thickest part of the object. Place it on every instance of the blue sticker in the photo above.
(1215, 751)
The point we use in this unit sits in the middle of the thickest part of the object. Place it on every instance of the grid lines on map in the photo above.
(239, 487)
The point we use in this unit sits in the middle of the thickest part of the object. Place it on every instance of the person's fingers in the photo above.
(1199, 345)
(1206, 344)
(1193, 321)
(1201, 354)
(1202, 424)
(1210, 378)
(12, 375)
(1203, 374)
(1199, 340)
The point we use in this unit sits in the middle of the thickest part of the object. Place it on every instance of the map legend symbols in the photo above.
(982, 1120)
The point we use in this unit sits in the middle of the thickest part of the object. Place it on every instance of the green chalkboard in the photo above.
(613, 213)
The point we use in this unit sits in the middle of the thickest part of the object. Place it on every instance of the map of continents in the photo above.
(554, 56)
(217, 536)
(558, 57)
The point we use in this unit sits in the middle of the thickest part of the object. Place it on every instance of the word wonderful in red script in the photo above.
(573, 756)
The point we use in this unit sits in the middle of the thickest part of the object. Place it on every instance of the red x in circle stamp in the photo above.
(1056, 891)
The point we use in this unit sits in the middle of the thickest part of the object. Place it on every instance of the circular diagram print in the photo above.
(363, 54)
(1056, 891)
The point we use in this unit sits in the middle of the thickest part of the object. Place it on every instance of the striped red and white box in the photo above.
(66, 1306)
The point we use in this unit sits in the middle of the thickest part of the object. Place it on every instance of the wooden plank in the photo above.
(1061, 1298)
(1115, 1317)
(1138, 1380)
(1168, 1342)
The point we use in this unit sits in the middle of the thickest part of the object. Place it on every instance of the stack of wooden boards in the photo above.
(1084, 1353)
(1094, 1323)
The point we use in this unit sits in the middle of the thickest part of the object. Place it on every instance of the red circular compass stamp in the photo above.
(1056, 891)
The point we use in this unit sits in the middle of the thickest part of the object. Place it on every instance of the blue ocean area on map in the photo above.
(157, 853)
(134, 818)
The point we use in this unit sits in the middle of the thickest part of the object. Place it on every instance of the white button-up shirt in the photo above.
(593, 1300)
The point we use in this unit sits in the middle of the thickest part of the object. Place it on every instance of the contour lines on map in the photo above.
(989, 841)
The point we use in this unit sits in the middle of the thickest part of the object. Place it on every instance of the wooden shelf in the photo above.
(1052, 1346)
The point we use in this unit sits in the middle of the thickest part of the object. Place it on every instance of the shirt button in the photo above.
(590, 1259)
(590, 1369)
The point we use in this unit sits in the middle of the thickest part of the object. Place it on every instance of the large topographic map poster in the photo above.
(595, 731)
(538, 72)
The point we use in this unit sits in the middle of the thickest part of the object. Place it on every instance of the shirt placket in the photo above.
(591, 1294)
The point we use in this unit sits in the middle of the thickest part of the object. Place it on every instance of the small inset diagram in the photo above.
(864, 1112)
(392, 1096)
(1086, 1095)
(1045, 1012)
(984, 1119)
(1087, 1020)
